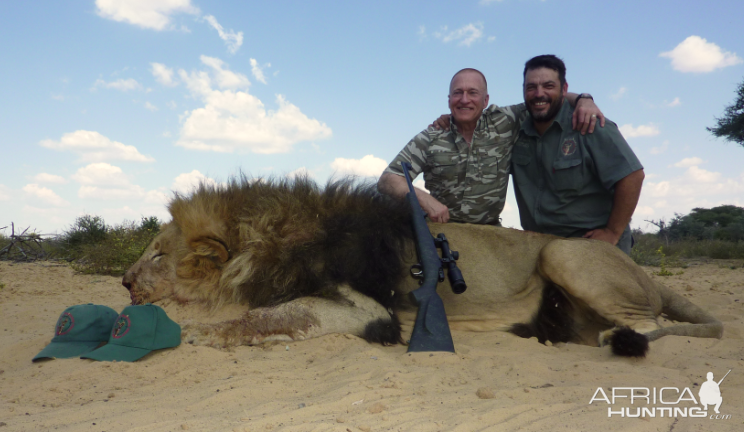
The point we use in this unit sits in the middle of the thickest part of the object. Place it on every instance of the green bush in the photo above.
(86, 230)
(94, 247)
(644, 251)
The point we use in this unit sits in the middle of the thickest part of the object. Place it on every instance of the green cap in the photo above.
(80, 329)
(136, 332)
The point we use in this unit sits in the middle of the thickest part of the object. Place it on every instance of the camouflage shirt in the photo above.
(470, 180)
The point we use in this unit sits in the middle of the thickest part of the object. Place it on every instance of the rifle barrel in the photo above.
(724, 377)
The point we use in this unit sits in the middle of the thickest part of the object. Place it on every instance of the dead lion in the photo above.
(304, 262)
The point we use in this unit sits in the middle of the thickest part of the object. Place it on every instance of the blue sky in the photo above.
(109, 106)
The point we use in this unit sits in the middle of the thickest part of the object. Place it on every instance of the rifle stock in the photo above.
(431, 330)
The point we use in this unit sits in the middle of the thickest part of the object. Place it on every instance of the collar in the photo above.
(564, 114)
(481, 124)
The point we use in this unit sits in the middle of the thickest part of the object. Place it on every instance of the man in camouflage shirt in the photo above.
(466, 168)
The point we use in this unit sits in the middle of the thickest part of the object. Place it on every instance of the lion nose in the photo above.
(127, 280)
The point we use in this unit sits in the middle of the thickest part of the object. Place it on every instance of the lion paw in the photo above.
(605, 337)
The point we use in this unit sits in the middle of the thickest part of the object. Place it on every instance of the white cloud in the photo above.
(688, 162)
(100, 174)
(491, 38)
(696, 187)
(620, 93)
(674, 103)
(172, 104)
(421, 32)
(232, 39)
(120, 84)
(156, 197)
(236, 120)
(111, 194)
(466, 34)
(646, 211)
(102, 181)
(163, 74)
(701, 175)
(198, 83)
(487, 2)
(152, 14)
(4, 193)
(94, 147)
(659, 150)
(301, 171)
(696, 54)
(368, 166)
(49, 178)
(226, 79)
(46, 195)
(258, 71)
(186, 183)
(420, 184)
(629, 131)
(150, 107)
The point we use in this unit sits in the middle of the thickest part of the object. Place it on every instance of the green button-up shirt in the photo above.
(471, 180)
(564, 181)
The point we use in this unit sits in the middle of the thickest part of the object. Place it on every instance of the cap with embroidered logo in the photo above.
(136, 332)
(80, 329)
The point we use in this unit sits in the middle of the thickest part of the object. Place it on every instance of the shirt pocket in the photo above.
(521, 158)
(488, 163)
(442, 172)
(442, 163)
(567, 174)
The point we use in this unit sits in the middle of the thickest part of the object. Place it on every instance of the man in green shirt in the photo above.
(466, 168)
(569, 184)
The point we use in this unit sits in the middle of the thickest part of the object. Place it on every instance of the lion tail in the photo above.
(697, 322)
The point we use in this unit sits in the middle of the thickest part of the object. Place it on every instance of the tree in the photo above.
(724, 222)
(731, 125)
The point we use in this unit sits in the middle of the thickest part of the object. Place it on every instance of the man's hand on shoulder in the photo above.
(585, 116)
(442, 123)
(604, 234)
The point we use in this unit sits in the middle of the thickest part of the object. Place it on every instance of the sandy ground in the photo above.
(494, 382)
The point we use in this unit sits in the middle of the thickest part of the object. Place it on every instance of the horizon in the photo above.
(111, 106)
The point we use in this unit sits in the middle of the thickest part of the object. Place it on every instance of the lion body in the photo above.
(305, 262)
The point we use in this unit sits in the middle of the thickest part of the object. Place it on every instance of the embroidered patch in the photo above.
(121, 328)
(65, 323)
(569, 147)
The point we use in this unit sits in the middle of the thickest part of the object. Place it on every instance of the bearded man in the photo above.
(466, 167)
(569, 184)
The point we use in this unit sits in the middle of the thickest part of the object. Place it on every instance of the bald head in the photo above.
(470, 71)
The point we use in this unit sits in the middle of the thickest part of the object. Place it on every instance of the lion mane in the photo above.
(265, 242)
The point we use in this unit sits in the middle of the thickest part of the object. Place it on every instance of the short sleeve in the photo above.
(414, 153)
(613, 157)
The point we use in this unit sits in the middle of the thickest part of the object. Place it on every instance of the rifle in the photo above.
(724, 377)
(431, 330)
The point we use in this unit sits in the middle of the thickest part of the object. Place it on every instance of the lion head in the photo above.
(153, 276)
(175, 267)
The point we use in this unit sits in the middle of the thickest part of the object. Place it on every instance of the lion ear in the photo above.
(212, 248)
